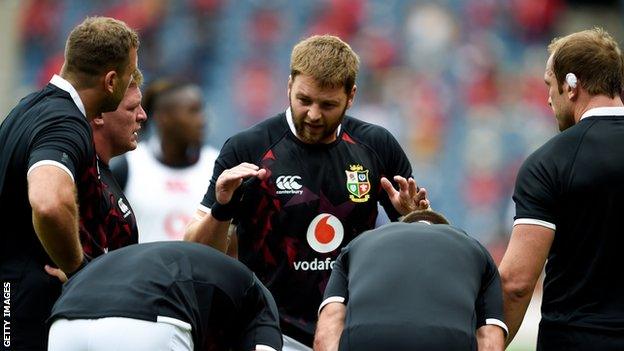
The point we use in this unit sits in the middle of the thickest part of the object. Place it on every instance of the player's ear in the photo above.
(351, 96)
(290, 82)
(109, 81)
(98, 121)
(571, 86)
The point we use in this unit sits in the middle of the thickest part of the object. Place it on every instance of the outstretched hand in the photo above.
(408, 198)
(232, 178)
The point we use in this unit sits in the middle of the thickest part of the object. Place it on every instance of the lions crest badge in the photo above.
(358, 184)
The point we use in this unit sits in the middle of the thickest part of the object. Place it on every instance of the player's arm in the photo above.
(333, 309)
(52, 196)
(490, 338)
(207, 230)
(491, 328)
(261, 331)
(520, 269)
(329, 327)
(211, 228)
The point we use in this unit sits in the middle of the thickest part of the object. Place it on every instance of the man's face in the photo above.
(122, 83)
(183, 121)
(558, 101)
(121, 126)
(317, 112)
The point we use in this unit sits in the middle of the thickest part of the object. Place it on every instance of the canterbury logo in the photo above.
(288, 182)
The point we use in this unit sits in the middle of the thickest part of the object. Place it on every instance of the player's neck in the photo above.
(595, 101)
(87, 88)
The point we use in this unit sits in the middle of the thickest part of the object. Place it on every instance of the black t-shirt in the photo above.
(317, 198)
(411, 286)
(574, 184)
(224, 303)
(118, 227)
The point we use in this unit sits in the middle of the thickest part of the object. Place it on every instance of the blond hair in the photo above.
(137, 78)
(327, 59)
(593, 56)
(99, 44)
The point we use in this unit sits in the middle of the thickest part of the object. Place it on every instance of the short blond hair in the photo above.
(327, 59)
(99, 44)
(593, 56)
(137, 78)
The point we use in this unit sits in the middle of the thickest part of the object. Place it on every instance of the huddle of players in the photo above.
(304, 184)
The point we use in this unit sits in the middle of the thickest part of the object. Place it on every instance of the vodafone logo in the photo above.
(325, 233)
(289, 184)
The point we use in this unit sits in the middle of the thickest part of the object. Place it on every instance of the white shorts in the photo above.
(291, 344)
(121, 334)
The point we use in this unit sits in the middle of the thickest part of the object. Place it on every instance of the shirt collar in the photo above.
(291, 124)
(604, 111)
(63, 84)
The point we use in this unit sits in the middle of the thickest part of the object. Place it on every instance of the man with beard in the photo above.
(569, 205)
(302, 184)
(164, 178)
(48, 173)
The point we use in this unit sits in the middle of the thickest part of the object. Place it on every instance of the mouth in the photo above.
(314, 127)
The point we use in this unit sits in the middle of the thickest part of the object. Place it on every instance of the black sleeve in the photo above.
(535, 191)
(119, 168)
(67, 142)
(489, 304)
(395, 162)
(337, 289)
(262, 320)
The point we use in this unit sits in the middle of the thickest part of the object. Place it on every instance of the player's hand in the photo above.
(55, 272)
(232, 178)
(408, 198)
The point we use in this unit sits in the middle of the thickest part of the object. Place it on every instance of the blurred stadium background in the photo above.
(458, 82)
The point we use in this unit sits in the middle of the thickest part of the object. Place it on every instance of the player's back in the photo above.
(413, 285)
(188, 282)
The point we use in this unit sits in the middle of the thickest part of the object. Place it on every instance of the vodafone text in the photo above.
(316, 265)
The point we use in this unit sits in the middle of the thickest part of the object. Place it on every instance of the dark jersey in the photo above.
(317, 198)
(429, 287)
(574, 184)
(46, 127)
(222, 301)
(118, 227)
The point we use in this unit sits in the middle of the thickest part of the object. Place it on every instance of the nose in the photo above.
(141, 114)
(314, 112)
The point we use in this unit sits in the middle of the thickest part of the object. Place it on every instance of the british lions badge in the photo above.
(358, 184)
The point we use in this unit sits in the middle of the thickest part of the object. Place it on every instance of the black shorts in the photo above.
(552, 338)
(31, 294)
(404, 338)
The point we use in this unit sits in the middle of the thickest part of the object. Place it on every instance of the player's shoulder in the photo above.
(274, 126)
(58, 102)
(558, 150)
(261, 134)
(364, 130)
(49, 104)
